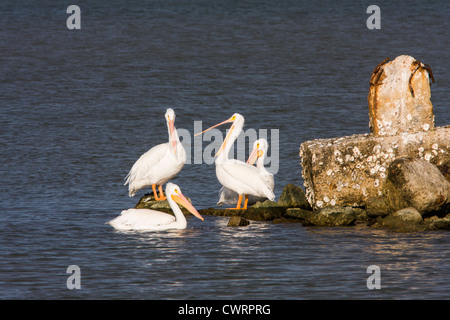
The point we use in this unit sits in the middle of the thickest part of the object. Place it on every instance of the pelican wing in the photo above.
(146, 161)
(141, 219)
(244, 179)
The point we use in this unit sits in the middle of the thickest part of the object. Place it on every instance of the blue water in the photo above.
(78, 107)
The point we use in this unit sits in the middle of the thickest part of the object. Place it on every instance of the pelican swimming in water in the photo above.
(260, 147)
(159, 164)
(146, 219)
(238, 176)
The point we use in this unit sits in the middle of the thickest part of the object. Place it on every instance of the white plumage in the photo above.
(152, 220)
(236, 175)
(159, 164)
(260, 147)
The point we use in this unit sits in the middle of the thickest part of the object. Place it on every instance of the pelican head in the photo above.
(173, 193)
(237, 121)
(170, 115)
(260, 148)
(170, 119)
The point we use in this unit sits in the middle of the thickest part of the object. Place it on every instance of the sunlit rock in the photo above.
(352, 170)
(293, 197)
(413, 182)
(400, 97)
(236, 221)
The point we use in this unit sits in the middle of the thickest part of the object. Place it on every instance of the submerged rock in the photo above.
(258, 213)
(404, 220)
(436, 223)
(236, 221)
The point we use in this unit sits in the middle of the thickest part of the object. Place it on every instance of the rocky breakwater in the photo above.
(402, 163)
(291, 207)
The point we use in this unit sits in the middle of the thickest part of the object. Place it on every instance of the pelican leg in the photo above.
(246, 201)
(155, 194)
(238, 205)
(161, 193)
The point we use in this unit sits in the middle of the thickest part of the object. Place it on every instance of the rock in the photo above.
(329, 216)
(266, 204)
(347, 171)
(445, 170)
(416, 183)
(285, 220)
(236, 221)
(440, 223)
(263, 213)
(376, 207)
(299, 214)
(220, 212)
(267, 210)
(404, 220)
(400, 97)
(407, 215)
(336, 216)
(293, 197)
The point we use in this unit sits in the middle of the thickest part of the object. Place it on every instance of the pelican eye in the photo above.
(233, 118)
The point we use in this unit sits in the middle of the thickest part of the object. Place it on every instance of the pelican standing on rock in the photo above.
(147, 219)
(238, 176)
(159, 164)
(260, 147)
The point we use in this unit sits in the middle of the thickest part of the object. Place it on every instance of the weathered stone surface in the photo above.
(399, 97)
(298, 213)
(348, 171)
(251, 213)
(330, 216)
(436, 223)
(377, 207)
(236, 221)
(404, 220)
(293, 197)
(445, 170)
(416, 183)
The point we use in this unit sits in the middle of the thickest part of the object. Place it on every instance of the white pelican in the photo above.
(260, 147)
(238, 176)
(146, 219)
(159, 164)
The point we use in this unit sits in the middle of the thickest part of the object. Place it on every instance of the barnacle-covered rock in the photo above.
(352, 170)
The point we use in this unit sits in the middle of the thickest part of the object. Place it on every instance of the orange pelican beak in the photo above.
(254, 155)
(181, 199)
(222, 147)
(219, 124)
